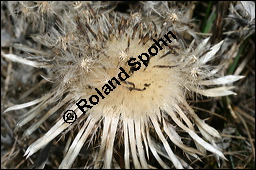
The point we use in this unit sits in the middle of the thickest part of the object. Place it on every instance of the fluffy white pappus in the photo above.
(166, 15)
(139, 111)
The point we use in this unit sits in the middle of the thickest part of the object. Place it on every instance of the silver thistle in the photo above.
(86, 51)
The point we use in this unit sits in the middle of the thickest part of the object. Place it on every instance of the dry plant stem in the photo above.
(248, 133)
(212, 113)
(236, 137)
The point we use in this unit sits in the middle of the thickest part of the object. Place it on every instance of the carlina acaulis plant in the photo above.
(144, 116)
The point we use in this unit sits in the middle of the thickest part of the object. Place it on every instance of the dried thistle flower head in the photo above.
(142, 110)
